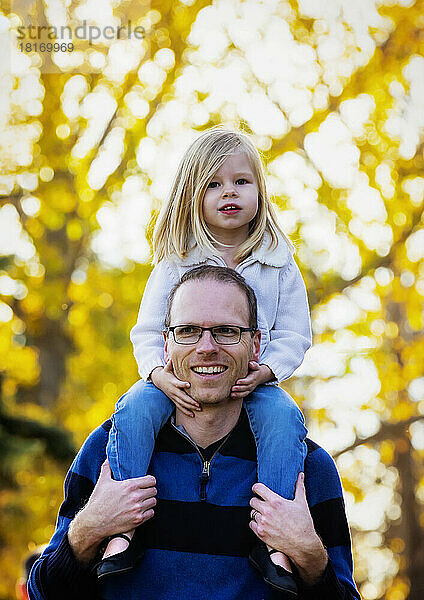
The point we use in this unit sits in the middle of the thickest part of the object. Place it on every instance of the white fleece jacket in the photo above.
(283, 312)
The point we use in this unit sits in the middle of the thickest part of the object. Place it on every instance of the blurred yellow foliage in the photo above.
(338, 120)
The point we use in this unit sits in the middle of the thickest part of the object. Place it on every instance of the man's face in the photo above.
(209, 303)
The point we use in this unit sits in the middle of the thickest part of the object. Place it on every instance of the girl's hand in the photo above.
(164, 379)
(257, 374)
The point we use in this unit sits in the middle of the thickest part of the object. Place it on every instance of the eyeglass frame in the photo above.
(203, 329)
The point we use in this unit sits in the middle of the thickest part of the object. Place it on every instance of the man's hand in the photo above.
(164, 379)
(287, 525)
(258, 374)
(113, 507)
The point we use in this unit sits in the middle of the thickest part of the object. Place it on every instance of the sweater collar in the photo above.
(275, 257)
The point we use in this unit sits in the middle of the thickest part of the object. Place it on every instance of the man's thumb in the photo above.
(300, 487)
(105, 472)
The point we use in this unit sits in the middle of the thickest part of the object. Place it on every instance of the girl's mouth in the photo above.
(230, 209)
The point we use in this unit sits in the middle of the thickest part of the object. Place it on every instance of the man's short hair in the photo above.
(220, 274)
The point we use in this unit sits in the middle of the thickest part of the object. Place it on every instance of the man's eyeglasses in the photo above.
(226, 335)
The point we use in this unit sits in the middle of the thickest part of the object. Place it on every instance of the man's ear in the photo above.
(256, 345)
(165, 350)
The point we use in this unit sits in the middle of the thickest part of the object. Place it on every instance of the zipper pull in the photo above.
(204, 478)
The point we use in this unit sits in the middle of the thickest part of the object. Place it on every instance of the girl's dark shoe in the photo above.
(123, 561)
(276, 576)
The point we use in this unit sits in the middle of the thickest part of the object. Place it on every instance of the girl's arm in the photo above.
(146, 335)
(290, 336)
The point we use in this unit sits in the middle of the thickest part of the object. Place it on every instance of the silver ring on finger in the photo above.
(253, 514)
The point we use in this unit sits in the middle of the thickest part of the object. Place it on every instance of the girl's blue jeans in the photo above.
(276, 422)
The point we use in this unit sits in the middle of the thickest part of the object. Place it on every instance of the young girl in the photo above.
(218, 212)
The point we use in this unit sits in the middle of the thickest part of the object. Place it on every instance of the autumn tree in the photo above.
(332, 96)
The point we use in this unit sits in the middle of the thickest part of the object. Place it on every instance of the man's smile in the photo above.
(209, 369)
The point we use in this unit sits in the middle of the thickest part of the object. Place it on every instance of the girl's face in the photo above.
(231, 199)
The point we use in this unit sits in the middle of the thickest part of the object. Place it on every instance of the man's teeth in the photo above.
(209, 370)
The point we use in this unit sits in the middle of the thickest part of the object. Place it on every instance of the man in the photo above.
(198, 543)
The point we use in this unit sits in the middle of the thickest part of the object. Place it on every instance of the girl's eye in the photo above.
(242, 180)
(213, 184)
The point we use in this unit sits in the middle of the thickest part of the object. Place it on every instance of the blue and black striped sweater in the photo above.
(198, 542)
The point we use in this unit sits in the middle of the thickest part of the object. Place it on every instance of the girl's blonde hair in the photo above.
(181, 219)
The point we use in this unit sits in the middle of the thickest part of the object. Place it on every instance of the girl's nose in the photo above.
(228, 190)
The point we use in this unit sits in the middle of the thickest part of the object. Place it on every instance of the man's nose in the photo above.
(206, 344)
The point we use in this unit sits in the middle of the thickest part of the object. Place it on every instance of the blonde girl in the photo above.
(218, 212)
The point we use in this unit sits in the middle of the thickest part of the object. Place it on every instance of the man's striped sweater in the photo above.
(198, 542)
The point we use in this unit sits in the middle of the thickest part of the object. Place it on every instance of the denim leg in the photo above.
(139, 415)
(279, 429)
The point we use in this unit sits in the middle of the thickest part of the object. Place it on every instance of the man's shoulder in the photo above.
(322, 479)
(84, 472)
(93, 452)
(316, 455)
(98, 437)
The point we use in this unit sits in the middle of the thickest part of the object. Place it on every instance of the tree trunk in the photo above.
(412, 531)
